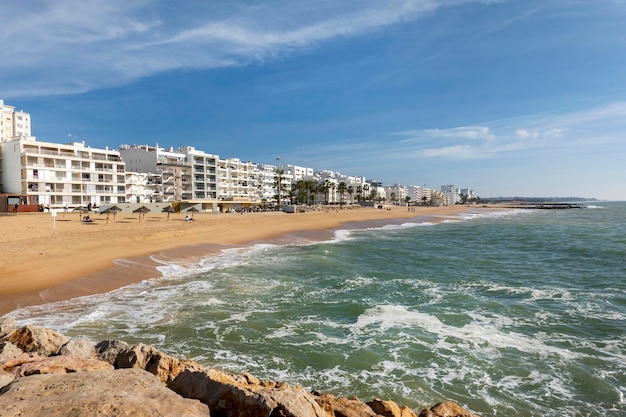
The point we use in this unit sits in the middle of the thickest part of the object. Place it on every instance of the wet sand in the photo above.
(44, 261)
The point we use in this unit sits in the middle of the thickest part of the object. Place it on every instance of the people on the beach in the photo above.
(87, 219)
(188, 218)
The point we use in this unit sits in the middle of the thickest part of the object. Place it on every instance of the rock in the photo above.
(390, 409)
(152, 360)
(343, 407)
(125, 392)
(9, 351)
(7, 326)
(107, 350)
(46, 342)
(35, 365)
(240, 396)
(447, 409)
(81, 348)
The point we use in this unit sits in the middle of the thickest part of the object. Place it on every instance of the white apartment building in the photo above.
(142, 187)
(173, 167)
(204, 173)
(267, 182)
(238, 182)
(13, 123)
(396, 194)
(59, 175)
(297, 173)
(452, 193)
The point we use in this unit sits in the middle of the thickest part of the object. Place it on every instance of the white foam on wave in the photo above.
(341, 235)
(485, 334)
(534, 294)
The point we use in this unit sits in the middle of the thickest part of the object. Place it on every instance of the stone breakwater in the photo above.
(43, 373)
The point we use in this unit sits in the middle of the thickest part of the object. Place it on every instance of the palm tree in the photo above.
(393, 197)
(342, 189)
(359, 192)
(350, 190)
(326, 185)
(280, 186)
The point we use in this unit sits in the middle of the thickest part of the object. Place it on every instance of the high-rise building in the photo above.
(13, 123)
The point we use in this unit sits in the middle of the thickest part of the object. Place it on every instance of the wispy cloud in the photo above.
(75, 46)
(557, 135)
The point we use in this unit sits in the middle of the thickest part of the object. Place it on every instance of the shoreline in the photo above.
(41, 264)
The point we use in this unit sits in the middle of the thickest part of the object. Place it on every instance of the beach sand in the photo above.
(44, 261)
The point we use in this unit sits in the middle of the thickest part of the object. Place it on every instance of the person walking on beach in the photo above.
(16, 207)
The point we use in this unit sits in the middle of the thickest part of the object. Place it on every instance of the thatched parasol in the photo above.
(113, 209)
(142, 211)
(168, 210)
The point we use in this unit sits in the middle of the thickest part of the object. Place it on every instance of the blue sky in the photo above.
(519, 97)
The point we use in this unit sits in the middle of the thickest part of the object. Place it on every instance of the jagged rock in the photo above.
(390, 409)
(9, 351)
(125, 392)
(26, 365)
(107, 350)
(152, 360)
(447, 409)
(343, 407)
(44, 341)
(7, 326)
(81, 348)
(240, 396)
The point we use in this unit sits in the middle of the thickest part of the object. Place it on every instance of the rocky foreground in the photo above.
(43, 373)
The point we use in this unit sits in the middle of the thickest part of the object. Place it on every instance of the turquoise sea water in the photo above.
(518, 313)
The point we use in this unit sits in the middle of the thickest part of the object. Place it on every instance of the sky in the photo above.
(509, 98)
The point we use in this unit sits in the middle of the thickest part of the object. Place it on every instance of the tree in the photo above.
(373, 195)
(350, 190)
(279, 185)
(325, 187)
(342, 189)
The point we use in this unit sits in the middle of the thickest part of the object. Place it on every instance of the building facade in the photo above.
(13, 123)
(62, 175)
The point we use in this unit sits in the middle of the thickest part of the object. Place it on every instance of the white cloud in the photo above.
(559, 133)
(75, 46)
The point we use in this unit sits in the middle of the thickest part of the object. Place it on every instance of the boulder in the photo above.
(7, 326)
(447, 409)
(9, 351)
(107, 350)
(126, 392)
(152, 360)
(44, 341)
(81, 348)
(390, 409)
(243, 396)
(26, 365)
(343, 407)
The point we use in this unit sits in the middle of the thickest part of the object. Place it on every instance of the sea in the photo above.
(508, 312)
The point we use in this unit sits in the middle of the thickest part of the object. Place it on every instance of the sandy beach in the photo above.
(44, 261)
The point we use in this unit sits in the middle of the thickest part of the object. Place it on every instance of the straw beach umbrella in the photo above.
(193, 210)
(81, 210)
(142, 211)
(168, 210)
(109, 210)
